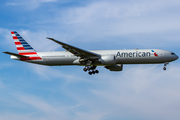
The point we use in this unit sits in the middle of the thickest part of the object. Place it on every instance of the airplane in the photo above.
(110, 59)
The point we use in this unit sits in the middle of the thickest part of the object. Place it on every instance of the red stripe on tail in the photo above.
(17, 43)
(15, 37)
(20, 48)
(30, 53)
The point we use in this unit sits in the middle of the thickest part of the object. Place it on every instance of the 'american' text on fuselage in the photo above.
(133, 54)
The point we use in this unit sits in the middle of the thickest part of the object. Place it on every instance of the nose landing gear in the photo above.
(164, 68)
(91, 70)
(165, 64)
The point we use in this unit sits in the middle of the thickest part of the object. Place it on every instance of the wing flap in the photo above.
(77, 51)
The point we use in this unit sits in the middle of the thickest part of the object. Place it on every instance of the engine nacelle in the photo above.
(108, 60)
(118, 67)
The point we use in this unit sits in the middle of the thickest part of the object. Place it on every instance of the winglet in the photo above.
(50, 38)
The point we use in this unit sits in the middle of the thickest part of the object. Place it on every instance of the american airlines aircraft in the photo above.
(110, 59)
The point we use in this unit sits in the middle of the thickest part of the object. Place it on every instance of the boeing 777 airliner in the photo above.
(110, 59)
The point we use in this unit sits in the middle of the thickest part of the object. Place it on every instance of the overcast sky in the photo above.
(139, 92)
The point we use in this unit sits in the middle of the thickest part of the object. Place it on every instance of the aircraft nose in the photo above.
(176, 57)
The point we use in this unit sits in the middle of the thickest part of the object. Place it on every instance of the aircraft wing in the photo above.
(17, 55)
(77, 51)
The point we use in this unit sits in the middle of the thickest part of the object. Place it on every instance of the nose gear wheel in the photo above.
(165, 64)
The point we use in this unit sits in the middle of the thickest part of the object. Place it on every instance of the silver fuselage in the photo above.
(139, 56)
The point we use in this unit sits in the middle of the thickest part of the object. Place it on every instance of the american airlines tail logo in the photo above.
(24, 48)
(155, 54)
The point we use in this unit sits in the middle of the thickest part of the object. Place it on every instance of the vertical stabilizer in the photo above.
(23, 47)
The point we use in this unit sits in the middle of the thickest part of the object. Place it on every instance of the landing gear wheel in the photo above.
(165, 64)
(85, 69)
(90, 73)
(88, 68)
(96, 71)
(164, 68)
(91, 69)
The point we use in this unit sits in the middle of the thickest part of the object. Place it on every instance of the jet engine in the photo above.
(108, 60)
(118, 67)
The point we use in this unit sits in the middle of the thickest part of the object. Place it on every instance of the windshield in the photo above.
(172, 53)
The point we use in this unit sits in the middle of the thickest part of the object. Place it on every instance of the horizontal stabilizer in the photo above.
(17, 55)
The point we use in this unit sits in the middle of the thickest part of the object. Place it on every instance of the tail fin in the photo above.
(22, 46)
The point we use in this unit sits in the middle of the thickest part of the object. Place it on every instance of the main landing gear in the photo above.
(165, 64)
(91, 70)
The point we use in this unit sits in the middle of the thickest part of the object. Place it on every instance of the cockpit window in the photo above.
(172, 53)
